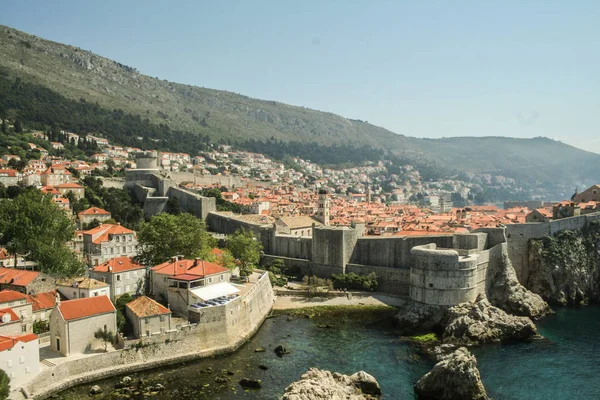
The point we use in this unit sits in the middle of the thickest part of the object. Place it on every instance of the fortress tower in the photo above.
(323, 210)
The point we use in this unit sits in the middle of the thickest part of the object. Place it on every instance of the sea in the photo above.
(563, 365)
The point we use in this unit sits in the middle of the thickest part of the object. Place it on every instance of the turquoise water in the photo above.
(565, 366)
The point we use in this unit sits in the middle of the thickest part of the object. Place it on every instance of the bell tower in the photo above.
(323, 210)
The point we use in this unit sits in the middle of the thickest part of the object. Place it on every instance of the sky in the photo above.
(420, 68)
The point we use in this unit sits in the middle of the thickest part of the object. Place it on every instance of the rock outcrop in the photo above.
(565, 268)
(455, 377)
(318, 384)
(418, 317)
(480, 322)
(505, 291)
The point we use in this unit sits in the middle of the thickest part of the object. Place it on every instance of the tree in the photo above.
(4, 385)
(246, 249)
(227, 260)
(173, 206)
(106, 337)
(120, 306)
(168, 235)
(31, 223)
(18, 126)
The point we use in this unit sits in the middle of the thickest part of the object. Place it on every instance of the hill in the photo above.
(183, 111)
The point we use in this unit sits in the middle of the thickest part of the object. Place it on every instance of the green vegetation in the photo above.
(221, 203)
(244, 246)
(353, 281)
(32, 225)
(425, 339)
(343, 314)
(106, 337)
(167, 235)
(41, 327)
(4, 385)
(120, 306)
(119, 202)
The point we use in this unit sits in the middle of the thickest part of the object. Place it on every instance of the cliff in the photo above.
(504, 290)
(455, 377)
(318, 384)
(565, 268)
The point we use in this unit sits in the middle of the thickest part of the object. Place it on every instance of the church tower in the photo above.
(323, 211)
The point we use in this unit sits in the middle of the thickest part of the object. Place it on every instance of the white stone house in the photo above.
(74, 322)
(123, 274)
(108, 241)
(16, 316)
(20, 358)
(148, 317)
(82, 287)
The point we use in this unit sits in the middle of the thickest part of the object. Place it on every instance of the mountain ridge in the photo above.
(81, 74)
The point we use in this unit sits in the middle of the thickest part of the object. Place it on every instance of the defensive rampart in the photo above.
(221, 330)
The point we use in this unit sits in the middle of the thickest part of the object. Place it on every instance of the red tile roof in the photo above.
(86, 307)
(191, 267)
(8, 342)
(118, 264)
(146, 307)
(9, 311)
(11, 295)
(17, 277)
(94, 211)
(105, 230)
(42, 301)
(69, 185)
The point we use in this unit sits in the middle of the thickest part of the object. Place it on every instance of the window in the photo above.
(27, 370)
(147, 320)
(118, 278)
(21, 359)
(126, 275)
(162, 318)
(9, 363)
(24, 328)
(118, 291)
(209, 280)
(74, 295)
(135, 274)
(124, 249)
(42, 315)
(221, 277)
(127, 288)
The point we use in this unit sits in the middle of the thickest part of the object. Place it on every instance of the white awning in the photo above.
(213, 291)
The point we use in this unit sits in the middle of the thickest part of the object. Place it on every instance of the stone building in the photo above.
(74, 322)
(123, 274)
(296, 226)
(590, 194)
(16, 314)
(148, 317)
(82, 287)
(172, 281)
(20, 357)
(9, 177)
(26, 282)
(42, 305)
(75, 188)
(55, 175)
(539, 215)
(91, 214)
(108, 241)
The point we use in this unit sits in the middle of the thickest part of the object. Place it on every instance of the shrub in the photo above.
(356, 282)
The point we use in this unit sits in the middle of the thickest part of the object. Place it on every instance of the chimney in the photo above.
(174, 259)
(57, 299)
(196, 262)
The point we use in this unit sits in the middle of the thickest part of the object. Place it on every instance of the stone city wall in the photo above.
(193, 203)
(442, 277)
(519, 235)
(221, 330)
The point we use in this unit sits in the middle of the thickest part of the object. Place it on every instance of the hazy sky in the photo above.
(419, 68)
